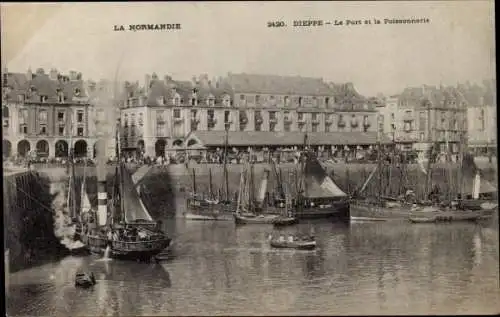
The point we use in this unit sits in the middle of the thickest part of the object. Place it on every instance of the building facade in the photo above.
(422, 116)
(160, 116)
(481, 117)
(44, 114)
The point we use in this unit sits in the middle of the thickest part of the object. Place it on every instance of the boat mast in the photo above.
(194, 181)
(226, 178)
(428, 183)
(119, 175)
(379, 165)
(210, 190)
(72, 178)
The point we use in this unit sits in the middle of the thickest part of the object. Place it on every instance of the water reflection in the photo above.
(365, 268)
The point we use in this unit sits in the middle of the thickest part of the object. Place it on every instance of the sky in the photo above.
(457, 45)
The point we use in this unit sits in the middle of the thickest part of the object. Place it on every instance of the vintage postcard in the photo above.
(250, 158)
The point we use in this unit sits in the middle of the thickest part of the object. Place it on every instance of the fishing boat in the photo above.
(208, 207)
(248, 209)
(128, 231)
(287, 218)
(199, 207)
(317, 194)
(292, 242)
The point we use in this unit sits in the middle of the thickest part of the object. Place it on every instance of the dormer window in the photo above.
(20, 98)
(60, 97)
(193, 101)
(161, 101)
(177, 100)
(195, 90)
(43, 98)
(77, 92)
(33, 89)
(327, 101)
(211, 101)
(300, 101)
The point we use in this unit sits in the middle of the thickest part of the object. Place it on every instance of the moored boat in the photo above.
(84, 280)
(255, 219)
(285, 221)
(129, 231)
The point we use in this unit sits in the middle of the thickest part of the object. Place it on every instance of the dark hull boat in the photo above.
(128, 231)
(317, 194)
(443, 215)
(206, 210)
(285, 221)
(374, 211)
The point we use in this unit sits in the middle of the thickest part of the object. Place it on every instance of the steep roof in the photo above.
(41, 84)
(273, 84)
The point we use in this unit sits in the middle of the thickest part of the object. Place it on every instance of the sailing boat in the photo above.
(129, 232)
(317, 194)
(248, 210)
(199, 207)
(287, 218)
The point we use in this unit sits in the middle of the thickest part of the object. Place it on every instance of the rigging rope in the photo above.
(31, 197)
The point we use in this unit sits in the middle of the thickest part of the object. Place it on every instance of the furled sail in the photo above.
(317, 182)
(133, 208)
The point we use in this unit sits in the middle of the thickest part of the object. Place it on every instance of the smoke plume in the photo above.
(63, 229)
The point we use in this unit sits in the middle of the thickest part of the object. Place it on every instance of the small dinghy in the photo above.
(84, 280)
(298, 243)
(254, 219)
(422, 219)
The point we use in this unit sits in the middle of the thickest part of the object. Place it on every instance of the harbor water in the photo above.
(216, 268)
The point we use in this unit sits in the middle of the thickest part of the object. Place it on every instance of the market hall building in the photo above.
(263, 112)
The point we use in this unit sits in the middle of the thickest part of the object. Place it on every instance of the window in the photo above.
(407, 126)
(242, 97)
(481, 120)
(286, 100)
(160, 116)
(132, 119)
(79, 131)
(300, 116)
(286, 115)
(287, 127)
(422, 136)
(77, 92)
(60, 116)
(328, 128)
(257, 99)
(43, 98)
(23, 128)
(60, 97)
(210, 114)
(421, 121)
(211, 102)
(161, 101)
(226, 116)
(193, 101)
(314, 116)
(315, 128)
(177, 101)
(300, 101)
(42, 116)
(272, 126)
(177, 113)
(160, 130)
(20, 98)
(141, 119)
(125, 120)
(79, 116)
(43, 129)
(61, 130)
(193, 114)
(272, 115)
(392, 116)
(327, 101)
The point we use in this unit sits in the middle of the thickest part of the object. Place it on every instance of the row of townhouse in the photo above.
(450, 116)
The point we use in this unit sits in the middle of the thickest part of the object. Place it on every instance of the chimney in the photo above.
(40, 71)
(154, 76)
(147, 82)
(29, 74)
(194, 80)
(53, 74)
